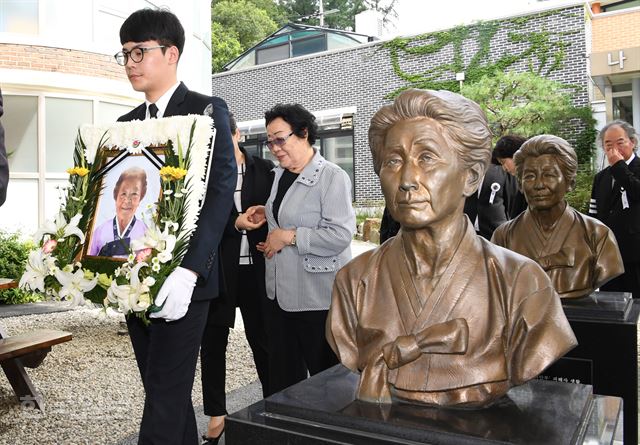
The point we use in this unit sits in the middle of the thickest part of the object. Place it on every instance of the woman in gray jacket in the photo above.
(311, 224)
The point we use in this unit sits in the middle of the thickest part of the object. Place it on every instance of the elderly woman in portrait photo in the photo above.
(439, 315)
(311, 223)
(579, 253)
(112, 237)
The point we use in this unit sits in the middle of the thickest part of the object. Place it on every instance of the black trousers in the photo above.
(167, 353)
(297, 346)
(216, 337)
(629, 281)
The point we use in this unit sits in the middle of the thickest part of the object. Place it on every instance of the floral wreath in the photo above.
(56, 266)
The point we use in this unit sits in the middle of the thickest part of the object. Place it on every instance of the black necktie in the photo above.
(153, 111)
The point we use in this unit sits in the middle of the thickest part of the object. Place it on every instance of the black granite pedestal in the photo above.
(323, 410)
(606, 326)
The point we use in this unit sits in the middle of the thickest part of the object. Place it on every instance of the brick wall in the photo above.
(363, 76)
(612, 32)
(42, 58)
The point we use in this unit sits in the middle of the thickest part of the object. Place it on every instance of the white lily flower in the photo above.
(37, 268)
(60, 228)
(155, 239)
(74, 285)
(170, 225)
(133, 296)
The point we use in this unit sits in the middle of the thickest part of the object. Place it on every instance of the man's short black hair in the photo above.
(298, 117)
(507, 146)
(160, 25)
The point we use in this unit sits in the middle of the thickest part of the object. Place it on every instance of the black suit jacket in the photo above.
(4, 162)
(256, 188)
(606, 205)
(202, 256)
(492, 214)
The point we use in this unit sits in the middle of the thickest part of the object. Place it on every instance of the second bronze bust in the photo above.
(579, 253)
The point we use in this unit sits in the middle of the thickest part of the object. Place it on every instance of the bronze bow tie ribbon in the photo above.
(565, 257)
(450, 337)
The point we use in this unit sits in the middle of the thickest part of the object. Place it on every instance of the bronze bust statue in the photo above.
(438, 315)
(579, 253)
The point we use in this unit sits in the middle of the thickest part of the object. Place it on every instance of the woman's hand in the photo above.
(276, 241)
(256, 215)
(249, 220)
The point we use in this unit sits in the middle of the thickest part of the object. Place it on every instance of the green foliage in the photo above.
(224, 46)
(529, 104)
(249, 23)
(363, 213)
(13, 256)
(543, 50)
(238, 25)
(579, 197)
(585, 141)
(520, 103)
(344, 18)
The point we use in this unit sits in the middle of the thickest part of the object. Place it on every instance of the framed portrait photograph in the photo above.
(130, 190)
(129, 209)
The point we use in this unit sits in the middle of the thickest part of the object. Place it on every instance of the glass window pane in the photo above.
(251, 148)
(20, 122)
(19, 16)
(53, 196)
(14, 214)
(64, 117)
(339, 150)
(275, 41)
(308, 46)
(623, 109)
(272, 54)
(109, 113)
(622, 87)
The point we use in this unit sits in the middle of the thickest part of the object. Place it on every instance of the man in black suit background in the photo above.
(4, 162)
(615, 200)
(166, 351)
(489, 207)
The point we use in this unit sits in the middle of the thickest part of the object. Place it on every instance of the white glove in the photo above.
(175, 293)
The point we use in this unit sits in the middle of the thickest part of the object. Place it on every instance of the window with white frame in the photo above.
(40, 133)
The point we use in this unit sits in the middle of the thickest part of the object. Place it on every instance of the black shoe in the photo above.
(122, 328)
(212, 440)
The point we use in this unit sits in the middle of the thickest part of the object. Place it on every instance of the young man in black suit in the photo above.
(167, 350)
(615, 200)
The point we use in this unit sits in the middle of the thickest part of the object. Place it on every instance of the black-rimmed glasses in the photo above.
(136, 54)
(278, 141)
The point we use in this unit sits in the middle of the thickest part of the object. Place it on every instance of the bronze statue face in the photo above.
(421, 176)
(543, 183)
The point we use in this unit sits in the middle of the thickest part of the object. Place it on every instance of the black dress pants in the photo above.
(297, 346)
(167, 354)
(215, 340)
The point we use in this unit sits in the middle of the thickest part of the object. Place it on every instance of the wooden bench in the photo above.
(28, 349)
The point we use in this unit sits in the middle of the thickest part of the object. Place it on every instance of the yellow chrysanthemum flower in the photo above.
(169, 173)
(80, 171)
